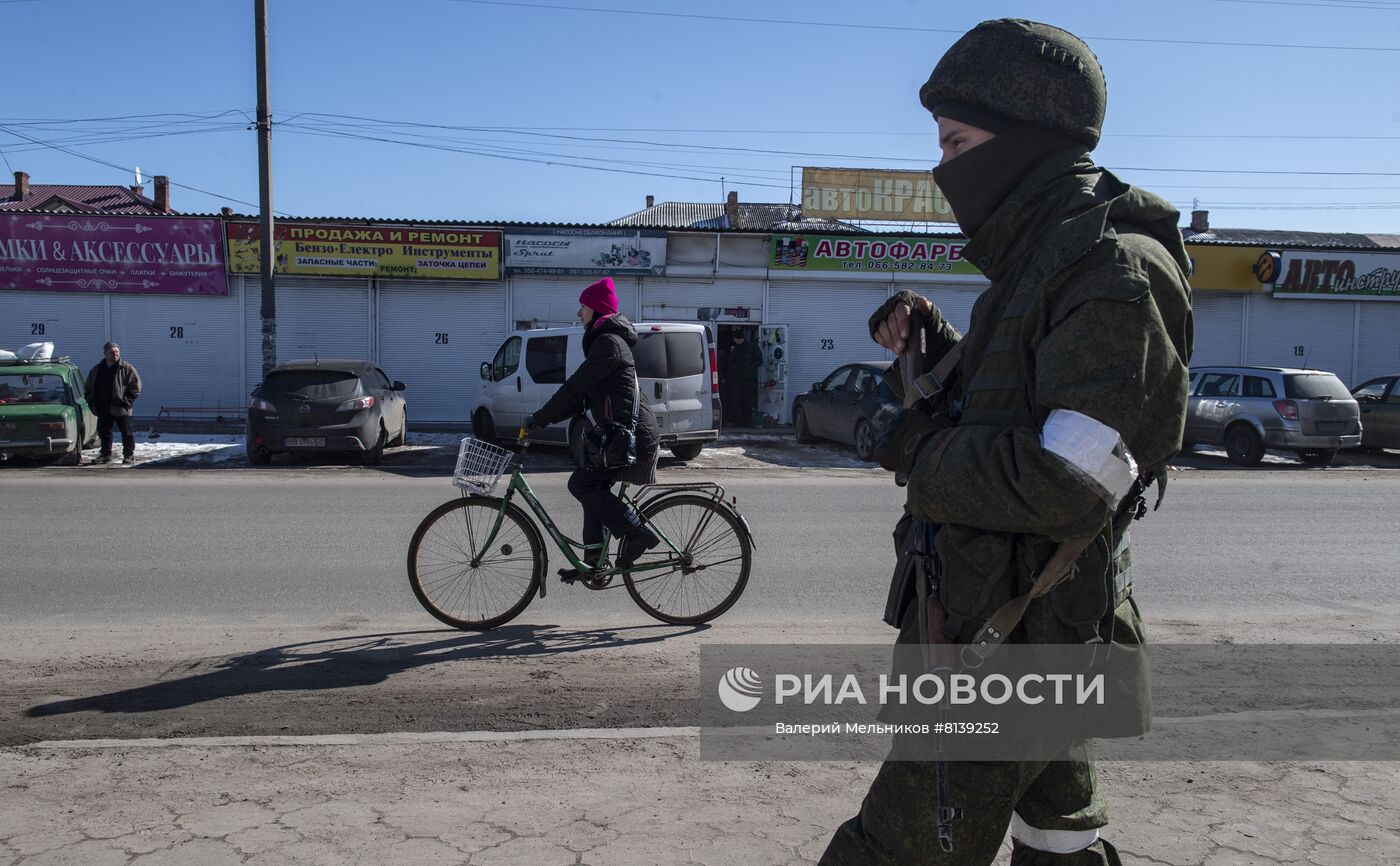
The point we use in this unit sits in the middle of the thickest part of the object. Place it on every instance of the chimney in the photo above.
(162, 193)
(226, 211)
(21, 186)
(1200, 220)
(731, 209)
(651, 201)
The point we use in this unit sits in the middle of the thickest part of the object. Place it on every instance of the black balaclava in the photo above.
(976, 182)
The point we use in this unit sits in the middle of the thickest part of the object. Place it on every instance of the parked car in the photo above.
(1251, 409)
(42, 410)
(326, 405)
(850, 406)
(1379, 400)
(676, 370)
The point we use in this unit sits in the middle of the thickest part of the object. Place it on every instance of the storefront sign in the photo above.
(846, 253)
(347, 250)
(1223, 269)
(873, 194)
(112, 254)
(586, 251)
(1306, 274)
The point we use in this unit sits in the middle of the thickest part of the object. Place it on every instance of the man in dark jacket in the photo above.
(111, 390)
(1070, 388)
(744, 361)
(606, 385)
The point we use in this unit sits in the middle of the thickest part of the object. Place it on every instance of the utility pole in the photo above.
(268, 245)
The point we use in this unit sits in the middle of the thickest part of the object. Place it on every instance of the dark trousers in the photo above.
(601, 507)
(745, 395)
(104, 432)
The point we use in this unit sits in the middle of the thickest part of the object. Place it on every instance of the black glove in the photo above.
(905, 436)
(531, 424)
(916, 304)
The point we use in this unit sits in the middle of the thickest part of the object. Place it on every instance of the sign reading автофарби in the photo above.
(348, 250)
(112, 254)
(846, 253)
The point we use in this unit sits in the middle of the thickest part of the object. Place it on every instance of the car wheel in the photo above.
(799, 422)
(577, 429)
(259, 456)
(1243, 446)
(375, 455)
(1317, 456)
(402, 439)
(865, 440)
(688, 451)
(483, 427)
(72, 458)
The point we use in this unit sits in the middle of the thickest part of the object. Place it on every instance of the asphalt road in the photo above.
(284, 545)
(156, 603)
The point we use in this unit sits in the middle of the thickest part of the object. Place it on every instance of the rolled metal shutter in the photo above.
(1379, 346)
(827, 327)
(433, 336)
(676, 300)
(1313, 334)
(188, 349)
(316, 317)
(76, 323)
(1219, 327)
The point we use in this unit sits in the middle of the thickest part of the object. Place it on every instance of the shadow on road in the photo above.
(361, 660)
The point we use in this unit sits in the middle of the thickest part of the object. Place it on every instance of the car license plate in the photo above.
(306, 442)
(1331, 427)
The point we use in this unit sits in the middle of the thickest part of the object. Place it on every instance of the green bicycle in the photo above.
(477, 561)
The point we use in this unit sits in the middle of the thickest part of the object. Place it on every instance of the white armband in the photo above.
(1094, 452)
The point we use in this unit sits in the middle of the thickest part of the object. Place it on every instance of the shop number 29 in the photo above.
(828, 345)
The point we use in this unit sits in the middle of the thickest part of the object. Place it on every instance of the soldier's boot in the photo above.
(1101, 853)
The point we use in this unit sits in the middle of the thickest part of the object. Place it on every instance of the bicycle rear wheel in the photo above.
(464, 584)
(712, 570)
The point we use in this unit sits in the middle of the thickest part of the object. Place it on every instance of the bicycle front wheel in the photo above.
(461, 581)
(711, 571)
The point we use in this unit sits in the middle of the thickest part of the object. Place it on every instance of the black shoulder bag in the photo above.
(609, 445)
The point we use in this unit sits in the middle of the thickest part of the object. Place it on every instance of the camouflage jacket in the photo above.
(1088, 310)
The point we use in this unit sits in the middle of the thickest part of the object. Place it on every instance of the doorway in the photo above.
(739, 361)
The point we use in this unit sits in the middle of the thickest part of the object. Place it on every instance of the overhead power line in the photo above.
(127, 170)
(899, 28)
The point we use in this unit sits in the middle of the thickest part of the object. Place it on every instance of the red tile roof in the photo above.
(82, 199)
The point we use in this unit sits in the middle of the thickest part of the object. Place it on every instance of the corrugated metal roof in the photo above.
(83, 199)
(1291, 239)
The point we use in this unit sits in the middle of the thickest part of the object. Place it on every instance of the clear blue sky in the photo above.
(682, 98)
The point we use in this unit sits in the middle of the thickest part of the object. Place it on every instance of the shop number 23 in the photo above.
(828, 345)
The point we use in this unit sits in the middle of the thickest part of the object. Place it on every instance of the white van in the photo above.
(676, 369)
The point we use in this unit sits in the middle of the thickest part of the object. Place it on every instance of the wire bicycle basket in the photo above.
(480, 465)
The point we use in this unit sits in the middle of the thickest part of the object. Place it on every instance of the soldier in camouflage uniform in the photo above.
(1070, 386)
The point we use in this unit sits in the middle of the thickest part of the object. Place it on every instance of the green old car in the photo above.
(42, 411)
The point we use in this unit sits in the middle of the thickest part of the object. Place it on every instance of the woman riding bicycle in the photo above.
(606, 385)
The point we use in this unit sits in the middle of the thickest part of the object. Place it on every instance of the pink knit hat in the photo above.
(601, 297)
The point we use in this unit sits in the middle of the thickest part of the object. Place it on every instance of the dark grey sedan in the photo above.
(850, 406)
(326, 405)
(1379, 400)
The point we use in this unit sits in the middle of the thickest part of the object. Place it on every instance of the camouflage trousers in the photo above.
(898, 820)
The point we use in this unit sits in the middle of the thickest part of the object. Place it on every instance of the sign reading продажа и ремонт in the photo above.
(346, 250)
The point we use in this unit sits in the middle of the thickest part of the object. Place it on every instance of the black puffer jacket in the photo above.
(606, 380)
